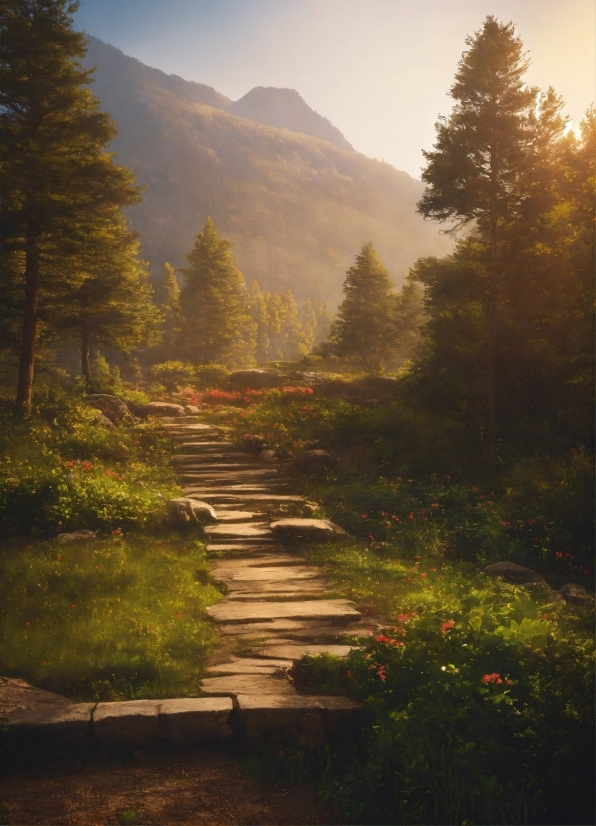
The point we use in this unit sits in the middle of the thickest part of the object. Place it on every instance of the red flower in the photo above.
(180, 614)
(491, 678)
(447, 625)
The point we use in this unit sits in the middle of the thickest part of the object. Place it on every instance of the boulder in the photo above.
(103, 421)
(515, 573)
(160, 409)
(254, 442)
(266, 456)
(575, 593)
(254, 379)
(307, 377)
(111, 406)
(306, 530)
(313, 460)
(186, 511)
(334, 389)
(192, 409)
(75, 536)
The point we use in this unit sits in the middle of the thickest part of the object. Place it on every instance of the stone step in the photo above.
(274, 590)
(273, 632)
(294, 651)
(239, 572)
(260, 684)
(241, 530)
(251, 665)
(237, 516)
(218, 467)
(215, 495)
(245, 547)
(338, 610)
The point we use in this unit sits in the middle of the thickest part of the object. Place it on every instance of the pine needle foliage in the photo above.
(217, 326)
(365, 329)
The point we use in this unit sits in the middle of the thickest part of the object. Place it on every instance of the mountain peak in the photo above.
(286, 109)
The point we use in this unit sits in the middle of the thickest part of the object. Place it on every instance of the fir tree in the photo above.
(217, 326)
(483, 166)
(364, 329)
(54, 173)
(171, 311)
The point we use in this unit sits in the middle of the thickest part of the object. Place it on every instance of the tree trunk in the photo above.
(86, 358)
(27, 362)
(491, 355)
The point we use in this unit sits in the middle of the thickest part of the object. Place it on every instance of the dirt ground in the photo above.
(191, 789)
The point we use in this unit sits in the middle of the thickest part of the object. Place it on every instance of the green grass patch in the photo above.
(119, 618)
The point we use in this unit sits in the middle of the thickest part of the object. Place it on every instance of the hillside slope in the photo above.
(297, 208)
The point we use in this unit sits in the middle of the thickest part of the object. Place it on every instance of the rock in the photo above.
(334, 389)
(266, 455)
(75, 536)
(185, 511)
(111, 406)
(18, 698)
(294, 715)
(254, 442)
(310, 530)
(103, 421)
(254, 379)
(312, 461)
(191, 720)
(258, 684)
(239, 530)
(308, 377)
(515, 573)
(309, 508)
(192, 409)
(159, 409)
(338, 610)
(575, 593)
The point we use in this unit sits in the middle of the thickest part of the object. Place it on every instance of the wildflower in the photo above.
(423, 575)
(73, 605)
(116, 532)
(435, 505)
(180, 614)
(491, 678)
(433, 570)
(447, 625)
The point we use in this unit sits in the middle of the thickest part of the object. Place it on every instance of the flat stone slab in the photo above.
(296, 715)
(245, 547)
(239, 529)
(186, 721)
(132, 723)
(237, 516)
(294, 651)
(340, 610)
(266, 573)
(247, 684)
(305, 530)
(251, 665)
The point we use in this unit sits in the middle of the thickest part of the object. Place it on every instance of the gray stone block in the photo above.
(133, 723)
(70, 723)
(195, 720)
(295, 715)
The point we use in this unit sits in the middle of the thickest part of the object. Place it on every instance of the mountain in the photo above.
(286, 109)
(297, 207)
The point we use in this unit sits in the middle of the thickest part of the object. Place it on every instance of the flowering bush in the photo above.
(484, 718)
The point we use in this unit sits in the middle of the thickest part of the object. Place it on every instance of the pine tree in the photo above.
(481, 168)
(217, 324)
(171, 311)
(364, 329)
(54, 172)
(112, 302)
(260, 314)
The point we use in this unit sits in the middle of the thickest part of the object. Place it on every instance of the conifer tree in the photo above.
(364, 329)
(217, 326)
(171, 311)
(54, 173)
(481, 169)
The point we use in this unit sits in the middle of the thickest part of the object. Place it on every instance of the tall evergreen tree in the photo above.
(112, 302)
(481, 168)
(217, 324)
(171, 310)
(54, 172)
(364, 329)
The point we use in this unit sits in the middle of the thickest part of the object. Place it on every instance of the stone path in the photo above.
(278, 606)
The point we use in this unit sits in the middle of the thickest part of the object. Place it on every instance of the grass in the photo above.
(119, 618)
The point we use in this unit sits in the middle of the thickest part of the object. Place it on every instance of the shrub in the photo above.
(173, 375)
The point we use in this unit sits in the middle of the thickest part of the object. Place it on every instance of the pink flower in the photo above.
(491, 678)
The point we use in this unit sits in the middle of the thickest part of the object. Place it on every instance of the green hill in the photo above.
(297, 208)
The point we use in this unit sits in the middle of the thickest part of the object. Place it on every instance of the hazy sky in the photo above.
(378, 69)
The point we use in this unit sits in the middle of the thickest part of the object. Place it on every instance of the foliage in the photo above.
(479, 709)
(364, 328)
(118, 618)
(173, 374)
(217, 326)
(57, 182)
(285, 330)
(61, 471)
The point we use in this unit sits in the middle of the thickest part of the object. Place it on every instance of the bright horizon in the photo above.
(379, 70)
